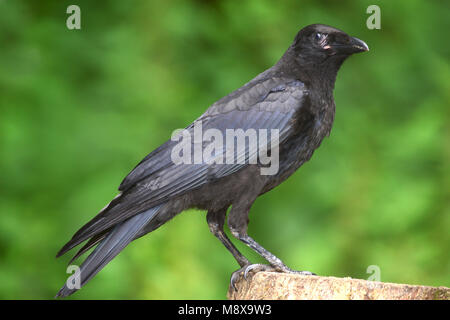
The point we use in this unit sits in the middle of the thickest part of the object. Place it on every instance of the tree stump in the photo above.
(283, 286)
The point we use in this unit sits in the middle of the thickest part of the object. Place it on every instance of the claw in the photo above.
(235, 276)
(305, 273)
(257, 267)
(245, 270)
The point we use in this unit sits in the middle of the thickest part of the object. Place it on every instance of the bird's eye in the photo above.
(318, 36)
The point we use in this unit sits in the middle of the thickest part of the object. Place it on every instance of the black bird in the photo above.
(295, 97)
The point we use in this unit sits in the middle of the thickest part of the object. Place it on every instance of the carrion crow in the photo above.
(293, 101)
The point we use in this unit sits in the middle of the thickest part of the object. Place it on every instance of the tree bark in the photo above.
(283, 286)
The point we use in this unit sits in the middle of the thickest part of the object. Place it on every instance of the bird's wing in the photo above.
(267, 96)
(266, 105)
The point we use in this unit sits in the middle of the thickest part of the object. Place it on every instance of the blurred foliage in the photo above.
(79, 108)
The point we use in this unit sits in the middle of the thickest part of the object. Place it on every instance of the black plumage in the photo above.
(295, 96)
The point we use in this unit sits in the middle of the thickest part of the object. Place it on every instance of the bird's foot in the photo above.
(286, 269)
(257, 267)
(303, 272)
(247, 269)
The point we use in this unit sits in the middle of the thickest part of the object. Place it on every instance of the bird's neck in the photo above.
(319, 79)
(316, 76)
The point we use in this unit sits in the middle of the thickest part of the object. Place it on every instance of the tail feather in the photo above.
(117, 239)
(90, 229)
(91, 243)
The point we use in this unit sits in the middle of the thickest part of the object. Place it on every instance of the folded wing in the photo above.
(156, 179)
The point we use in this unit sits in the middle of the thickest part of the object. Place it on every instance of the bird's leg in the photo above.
(238, 222)
(274, 261)
(216, 220)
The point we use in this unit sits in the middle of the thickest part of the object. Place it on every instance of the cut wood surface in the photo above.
(284, 286)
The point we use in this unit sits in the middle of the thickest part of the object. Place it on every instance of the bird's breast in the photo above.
(313, 127)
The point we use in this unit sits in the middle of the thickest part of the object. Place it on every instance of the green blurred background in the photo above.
(80, 108)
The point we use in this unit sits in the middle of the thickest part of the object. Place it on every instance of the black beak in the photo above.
(358, 45)
(353, 45)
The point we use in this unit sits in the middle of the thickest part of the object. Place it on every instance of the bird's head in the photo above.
(317, 42)
(320, 49)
